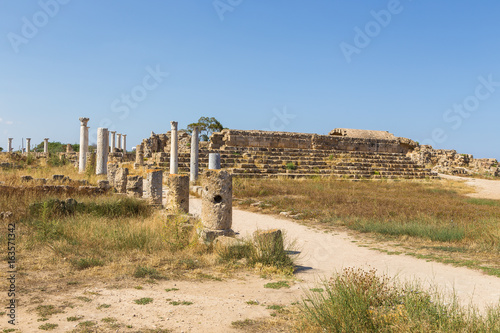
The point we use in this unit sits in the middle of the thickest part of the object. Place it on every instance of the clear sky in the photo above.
(424, 69)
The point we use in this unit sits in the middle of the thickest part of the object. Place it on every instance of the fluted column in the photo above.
(102, 151)
(193, 168)
(9, 147)
(28, 145)
(46, 145)
(174, 159)
(119, 141)
(84, 144)
(124, 142)
(113, 141)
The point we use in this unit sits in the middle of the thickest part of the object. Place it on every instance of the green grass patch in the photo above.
(360, 301)
(148, 272)
(84, 263)
(143, 301)
(171, 289)
(277, 285)
(48, 327)
(175, 303)
(74, 318)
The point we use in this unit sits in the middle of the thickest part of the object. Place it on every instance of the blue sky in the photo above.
(427, 70)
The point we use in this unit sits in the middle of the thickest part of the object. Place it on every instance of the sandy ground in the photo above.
(487, 189)
(216, 304)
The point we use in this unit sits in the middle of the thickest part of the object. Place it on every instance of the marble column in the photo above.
(9, 147)
(28, 145)
(124, 142)
(214, 161)
(102, 151)
(113, 141)
(84, 144)
(193, 168)
(174, 158)
(46, 145)
(119, 141)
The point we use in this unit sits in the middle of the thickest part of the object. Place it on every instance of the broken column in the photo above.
(134, 186)
(193, 167)
(69, 148)
(214, 161)
(139, 156)
(174, 159)
(216, 204)
(154, 186)
(113, 141)
(28, 145)
(124, 143)
(84, 144)
(112, 168)
(178, 193)
(119, 141)
(9, 147)
(102, 151)
(46, 145)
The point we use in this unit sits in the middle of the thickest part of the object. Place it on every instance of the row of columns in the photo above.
(103, 146)
(28, 145)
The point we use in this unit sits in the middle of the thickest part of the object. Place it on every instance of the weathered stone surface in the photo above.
(134, 186)
(112, 168)
(178, 193)
(217, 200)
(450, 162)
(102, 151)
(154, 186)
(362, 134)
(269, 240)
(57, 177)
(103, 184)
(121, 178)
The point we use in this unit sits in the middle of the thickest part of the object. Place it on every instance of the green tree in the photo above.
(207, 126)
(1, 149)
(56, 147)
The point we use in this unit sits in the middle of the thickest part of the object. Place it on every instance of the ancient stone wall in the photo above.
(160, 143)
(372, 142)
(450, 162)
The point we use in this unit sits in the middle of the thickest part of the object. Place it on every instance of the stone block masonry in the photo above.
(134, 186)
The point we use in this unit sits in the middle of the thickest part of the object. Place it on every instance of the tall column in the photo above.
(124, 142)
(84, 144)
(113, 141)
(174, 159)
(46, 145)
(9, 147)
(28, 145)
(102, 151)
(119, 141)
(193, 168)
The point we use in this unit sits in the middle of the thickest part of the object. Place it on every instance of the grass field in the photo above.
(434, 217)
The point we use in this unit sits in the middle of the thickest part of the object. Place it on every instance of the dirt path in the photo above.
(485, 188)
(216, 304)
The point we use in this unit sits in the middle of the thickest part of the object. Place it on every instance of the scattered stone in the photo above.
(26, 179)
(103, 184)
(154, 187)
(57, 177)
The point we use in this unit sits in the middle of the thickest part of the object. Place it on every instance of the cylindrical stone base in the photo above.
(217, 200)
(214, 161)
(154, 186)
(178, 193)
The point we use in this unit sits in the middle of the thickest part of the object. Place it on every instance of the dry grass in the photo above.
(434, 215)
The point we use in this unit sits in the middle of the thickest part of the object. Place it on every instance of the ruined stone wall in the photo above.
(267, 139)
(160, 143)
(450, 162)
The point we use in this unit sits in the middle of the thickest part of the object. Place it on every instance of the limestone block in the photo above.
(26, 179)
(120, 181)
(178, 193)
(154, 186)
(134, 186)
(103, 185)
(270, 241)
(112, 168)
(217, 200)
